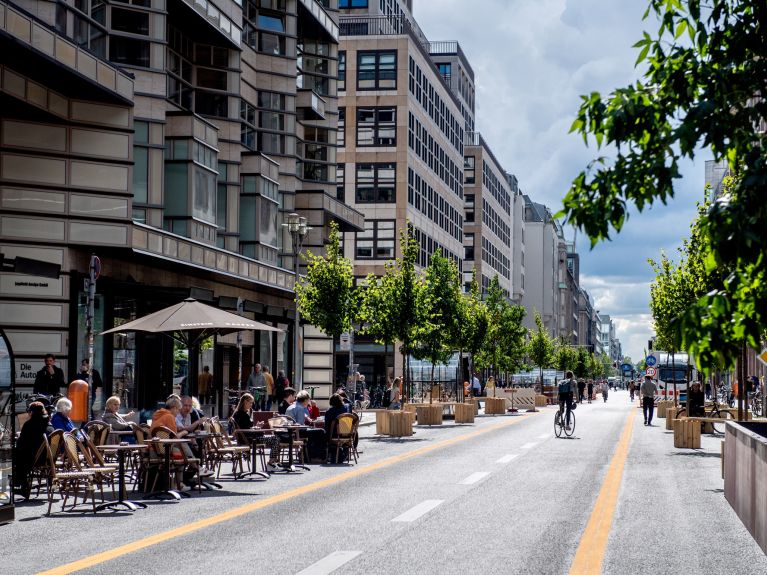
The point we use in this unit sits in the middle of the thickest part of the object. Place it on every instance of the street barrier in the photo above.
(523, 398)
(464, 412)
(400, 424)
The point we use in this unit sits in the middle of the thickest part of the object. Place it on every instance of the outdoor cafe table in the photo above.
(203, 436)
(122, 500)
(254, 434)
(289, 467)
(167, 447)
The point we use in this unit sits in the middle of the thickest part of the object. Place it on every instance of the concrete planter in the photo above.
(745, 476)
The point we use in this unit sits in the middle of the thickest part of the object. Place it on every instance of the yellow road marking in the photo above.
(591, 550)
(187, 528)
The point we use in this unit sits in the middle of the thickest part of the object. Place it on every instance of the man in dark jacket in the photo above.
(50, 379)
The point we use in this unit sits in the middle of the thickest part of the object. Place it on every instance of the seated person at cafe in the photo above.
(315, 437)
(342, 394)
(61, 420)
(189, 419)
(314, 411)
(290, 397)
(337, 407)
(243, 419)
(116, 421)
(697, 401)
(166, 417)
(29, 442)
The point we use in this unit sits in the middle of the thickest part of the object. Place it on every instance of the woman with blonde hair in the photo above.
(395, 394)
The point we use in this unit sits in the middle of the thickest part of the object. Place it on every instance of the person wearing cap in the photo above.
(648, 390)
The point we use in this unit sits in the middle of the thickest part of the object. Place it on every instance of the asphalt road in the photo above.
(500, 496)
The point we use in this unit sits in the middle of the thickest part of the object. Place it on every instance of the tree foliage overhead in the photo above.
(504, 346)
(540, 346)
(706, 69)
(565, 355)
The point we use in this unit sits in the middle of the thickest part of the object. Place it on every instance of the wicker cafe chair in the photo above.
(221, 449)
(146, 460)
(98, 432)
(342, 432)
(177, 464)
(93, 461)
(244, 445)
(70, 481)
(298, 443)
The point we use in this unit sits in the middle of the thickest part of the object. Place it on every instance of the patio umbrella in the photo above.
(191, 321)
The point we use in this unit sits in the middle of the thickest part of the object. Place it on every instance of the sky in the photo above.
(532, 61)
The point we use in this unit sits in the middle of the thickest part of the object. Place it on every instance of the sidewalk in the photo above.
(672, 516)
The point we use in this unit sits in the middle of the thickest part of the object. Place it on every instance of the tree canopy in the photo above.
(705, 71)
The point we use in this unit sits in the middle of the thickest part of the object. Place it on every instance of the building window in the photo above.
(352, 3)
(377, 70)
(342, 70)
(376, 183)
(129, 51)
(468, 170)
(377, 241)
(340, 182)
(341, 137)
(264, 26)
(376, 126)
(130, 21)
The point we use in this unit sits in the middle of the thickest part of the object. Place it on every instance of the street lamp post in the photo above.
(298, 229)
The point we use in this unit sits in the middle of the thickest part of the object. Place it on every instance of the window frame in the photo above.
(377, 141)
(377, 72)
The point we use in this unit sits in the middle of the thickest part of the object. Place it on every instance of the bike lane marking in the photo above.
(508, 458)
(593, 543)
(529, 445)
(191, 527)
(418, 511)
(330, 563)
(474, 477)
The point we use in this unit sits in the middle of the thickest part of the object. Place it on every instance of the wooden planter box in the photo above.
(669, 422)
(686, 433)
(400, 424)
(429, 414)
(465, 412)
(495, 405)
(382, 422)
(660, 409)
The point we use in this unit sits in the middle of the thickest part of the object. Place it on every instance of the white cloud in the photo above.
(532, 61)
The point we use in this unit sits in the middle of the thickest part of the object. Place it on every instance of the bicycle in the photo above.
(755, 402)
(559, 423)
(713, 413)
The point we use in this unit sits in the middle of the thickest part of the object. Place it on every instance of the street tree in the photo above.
(474, 322)
(703, 86)
(326, 295)
(396, 305)
(540, 347)
(582, 366)
(565, 355)
(443, 299)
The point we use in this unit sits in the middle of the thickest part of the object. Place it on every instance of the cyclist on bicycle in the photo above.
(566, 388)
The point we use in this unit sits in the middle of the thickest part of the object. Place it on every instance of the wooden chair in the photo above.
(221, 449)
(74, 478)
(98, 432)
(178, 465)
(298, 443)
(94, 461)
(342, 433)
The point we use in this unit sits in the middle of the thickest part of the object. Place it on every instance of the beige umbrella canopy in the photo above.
(191, 321)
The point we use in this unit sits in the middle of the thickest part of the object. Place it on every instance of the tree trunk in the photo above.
(673, 375)
(403, 395)
(742, 382)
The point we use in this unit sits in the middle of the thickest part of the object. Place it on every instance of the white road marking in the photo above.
(474, 477)
(419, 510)
(507, 458)
(330, 563)
(529, 445)
(544, 436)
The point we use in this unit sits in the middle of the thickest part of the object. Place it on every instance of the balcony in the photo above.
(310, 105)
(319, 17)
(349, 219)
(57, 62)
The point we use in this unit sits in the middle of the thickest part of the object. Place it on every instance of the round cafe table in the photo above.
(122, 500)
(253, 434)
(290, 467)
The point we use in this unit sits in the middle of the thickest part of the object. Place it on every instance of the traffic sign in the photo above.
(651, 371)
(651, 360)
(627, 367)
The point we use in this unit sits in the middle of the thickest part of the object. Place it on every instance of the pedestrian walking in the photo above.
(590, 390)
(605, 390)
(632, 389)
(581, 390)
(648, 391)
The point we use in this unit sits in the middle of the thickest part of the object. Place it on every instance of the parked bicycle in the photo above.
(755, 403)
(713, 412)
